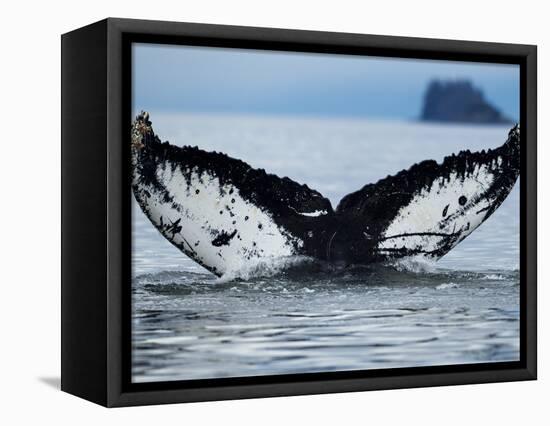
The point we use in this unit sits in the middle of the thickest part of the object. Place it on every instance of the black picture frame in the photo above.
(96, 209)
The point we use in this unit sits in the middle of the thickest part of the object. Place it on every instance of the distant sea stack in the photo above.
(459, 102)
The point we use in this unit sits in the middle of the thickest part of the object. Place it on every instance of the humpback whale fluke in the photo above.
(223, 213)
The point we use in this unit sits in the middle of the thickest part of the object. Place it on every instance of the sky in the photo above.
(194, 79)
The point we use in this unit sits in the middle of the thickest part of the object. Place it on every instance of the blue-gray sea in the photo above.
(188, 324)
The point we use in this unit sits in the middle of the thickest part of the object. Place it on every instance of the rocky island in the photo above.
(459, 102)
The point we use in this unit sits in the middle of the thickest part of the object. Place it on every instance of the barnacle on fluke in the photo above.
(234, 213)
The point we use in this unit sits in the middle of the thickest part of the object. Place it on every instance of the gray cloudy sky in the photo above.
(222, 80)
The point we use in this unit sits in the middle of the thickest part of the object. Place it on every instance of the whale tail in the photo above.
(223, 213)
(429, 208)
(219, 210)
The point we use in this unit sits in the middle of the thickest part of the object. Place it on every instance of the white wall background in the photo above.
(30, 211)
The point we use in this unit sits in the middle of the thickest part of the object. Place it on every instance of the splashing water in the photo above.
(265, 267)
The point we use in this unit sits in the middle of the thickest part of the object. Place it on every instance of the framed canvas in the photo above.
(254, 212)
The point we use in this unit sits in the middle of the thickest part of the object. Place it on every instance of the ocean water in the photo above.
(299, 316)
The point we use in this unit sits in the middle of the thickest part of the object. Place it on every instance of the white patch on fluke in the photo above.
(316, 213)
(427, 211)
(205, 209)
